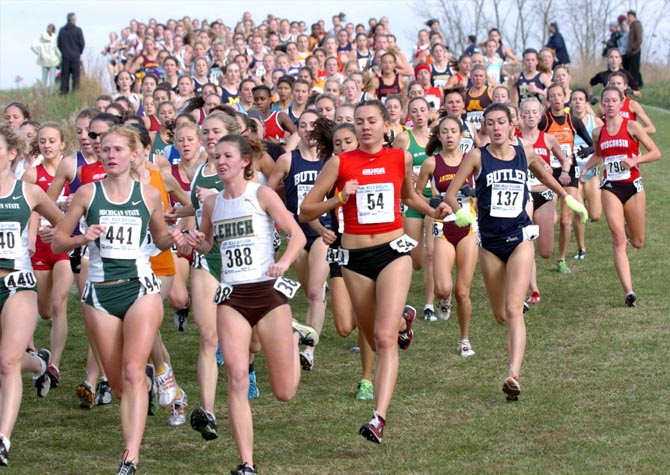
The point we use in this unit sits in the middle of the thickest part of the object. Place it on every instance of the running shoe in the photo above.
(103, 393)
(152, 407)
(4, 451)
(429, 315)
(354, 350)
(219, 356)
(444, 308)
(177, 415)
(307, 360)
(562, 267)
(243, 469)
(630, 299)
(581, 254)
(180, 318)
(204, 422)
(308, 335)
(254, 392)
(465, 349)
(365, 391)
(512, 388)
(374, 429)
(526, 307)
(127, 468)
(534, 297)
(41, 379)
(405, 337)
(54, 375)
(86, 395)
(167, 387)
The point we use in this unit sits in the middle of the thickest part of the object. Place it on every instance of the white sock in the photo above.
(429, 306)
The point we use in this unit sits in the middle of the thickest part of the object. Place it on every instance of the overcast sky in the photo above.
(22, 22)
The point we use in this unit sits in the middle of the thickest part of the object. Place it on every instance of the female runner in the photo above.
(377, 266)
(122, 292)
(53, 272)
(18, 294)
(297, 170)
(454, 245)
(418, 226)
(506, 256)
(249, 296)
(624, 198)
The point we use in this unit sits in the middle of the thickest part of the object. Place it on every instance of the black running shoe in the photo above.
(181, 318)
(243, 469)
(204, 423)
(630, 300)
(41, 379)
(4, 453)
(152, 408)
(126, 468)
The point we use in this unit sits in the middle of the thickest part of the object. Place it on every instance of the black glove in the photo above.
(584, 152)
(435, 201)
(467, 190)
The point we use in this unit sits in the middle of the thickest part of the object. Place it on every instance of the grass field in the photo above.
(596, 387)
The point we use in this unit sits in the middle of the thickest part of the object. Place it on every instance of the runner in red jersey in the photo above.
(377, 267)
(624, 198)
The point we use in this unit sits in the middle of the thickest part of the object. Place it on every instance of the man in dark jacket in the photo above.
(71, 46)
(631, 60)
(557, 43)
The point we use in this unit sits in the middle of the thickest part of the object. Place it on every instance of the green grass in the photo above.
(595, 388)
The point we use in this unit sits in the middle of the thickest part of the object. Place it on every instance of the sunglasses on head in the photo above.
(94, 135)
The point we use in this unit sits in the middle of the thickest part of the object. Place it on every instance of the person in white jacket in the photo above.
(48, 56)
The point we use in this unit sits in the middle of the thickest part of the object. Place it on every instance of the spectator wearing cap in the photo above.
(557, 43)
(613, 40)
(631, 60)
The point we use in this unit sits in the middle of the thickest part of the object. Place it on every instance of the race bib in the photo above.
(333, 255)
(403, 244)
(463, 201)
(152, 250)
(121, 238)
(151, 283)
(239, 262)
(532, 179)
(286, 286)
(375, 203)
(567, 151)
(637, 183)
(531, 232)
(302, 192)
(506, 200)
(222, 293)
(20, 280)
(615, 169)
(11, 245)
(340, 220)
(466, 144)
(475, 118)
(438, 227)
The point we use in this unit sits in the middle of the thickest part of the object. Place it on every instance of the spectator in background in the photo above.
(622, 43)
(71, 45)
(631, 61)
(557, 43)
(48, 56)
(472, 47)
(613, 40)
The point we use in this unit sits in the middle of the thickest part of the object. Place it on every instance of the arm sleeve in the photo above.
(581, 130)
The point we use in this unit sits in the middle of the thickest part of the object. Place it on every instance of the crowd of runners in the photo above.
(229, 153)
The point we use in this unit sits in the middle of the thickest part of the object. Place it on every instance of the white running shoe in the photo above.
(167, 387)
(429, 315)
(444, 308)
(465, 349)
(177, 415)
